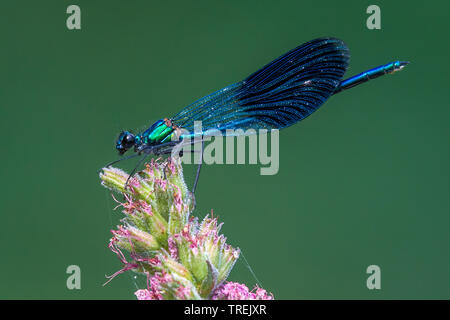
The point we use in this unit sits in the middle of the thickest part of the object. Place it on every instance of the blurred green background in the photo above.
(363, 181)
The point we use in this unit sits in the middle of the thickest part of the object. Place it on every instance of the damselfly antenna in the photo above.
(121, 159)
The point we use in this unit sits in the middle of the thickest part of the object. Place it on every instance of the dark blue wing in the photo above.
(280, 94)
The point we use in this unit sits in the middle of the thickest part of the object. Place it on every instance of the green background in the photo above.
(363, 181)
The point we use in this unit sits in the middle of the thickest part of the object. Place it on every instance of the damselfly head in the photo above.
(125, 141)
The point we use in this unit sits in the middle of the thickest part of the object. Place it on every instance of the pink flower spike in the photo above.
(173, 250)
(183, 257)
(182, 292)
(237, 291)
(143, 294)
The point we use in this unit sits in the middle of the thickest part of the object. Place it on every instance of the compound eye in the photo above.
(129, 138)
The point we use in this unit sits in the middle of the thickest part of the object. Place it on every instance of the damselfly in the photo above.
(282, 93)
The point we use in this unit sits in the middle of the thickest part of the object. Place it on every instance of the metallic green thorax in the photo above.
(158, 133)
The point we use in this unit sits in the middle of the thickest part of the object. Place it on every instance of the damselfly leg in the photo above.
(145, 152)
(145, 155)
(198, 169)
